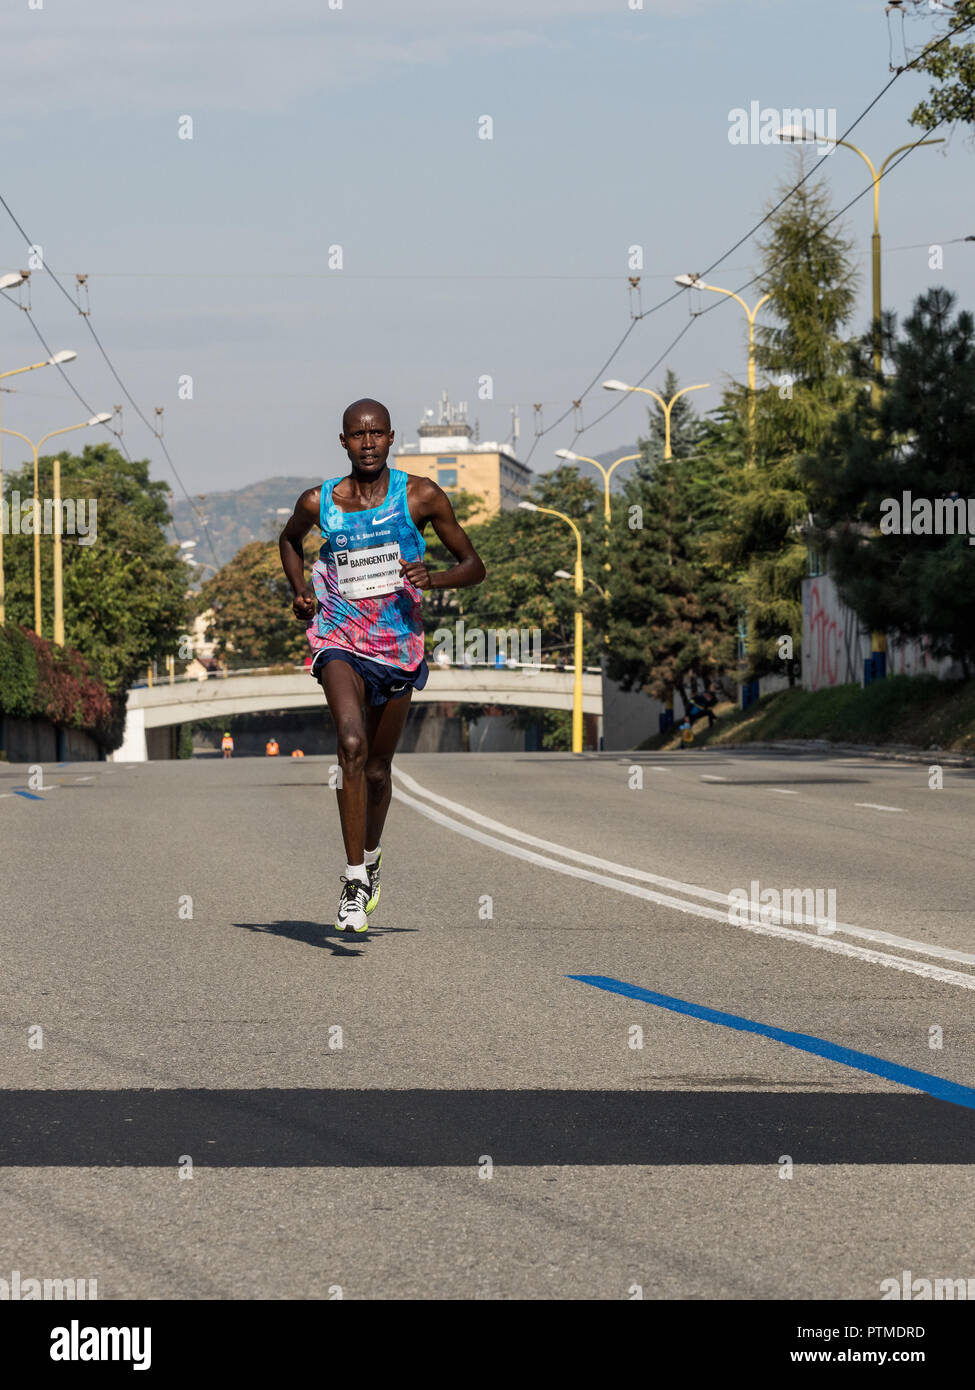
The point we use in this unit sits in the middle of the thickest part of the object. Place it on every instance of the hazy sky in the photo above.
(358, 126)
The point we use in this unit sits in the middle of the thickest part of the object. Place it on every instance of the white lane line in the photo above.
(874, 806)
(710, 777)
(871, 934)
(565, 850)
(781, 791)
(821, 943)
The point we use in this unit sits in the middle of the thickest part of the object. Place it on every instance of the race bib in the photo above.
(369, 571)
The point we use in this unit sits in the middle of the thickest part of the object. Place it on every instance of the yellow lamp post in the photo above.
(694, 282)
(8, 282)
(666, 406)
(603, 593)
(58, 583)
(577, 683)
(799, 135)
(607, 473)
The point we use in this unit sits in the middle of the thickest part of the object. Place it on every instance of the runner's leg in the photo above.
(345, 693)
(384, 725)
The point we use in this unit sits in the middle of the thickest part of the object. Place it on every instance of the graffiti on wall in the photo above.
(835, 644)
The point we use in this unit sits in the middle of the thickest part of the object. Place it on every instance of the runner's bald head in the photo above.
(368, 407)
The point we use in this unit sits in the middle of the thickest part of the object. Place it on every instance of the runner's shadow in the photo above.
(320, 934)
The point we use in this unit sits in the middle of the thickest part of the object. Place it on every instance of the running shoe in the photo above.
(351, 915)
(373, 871)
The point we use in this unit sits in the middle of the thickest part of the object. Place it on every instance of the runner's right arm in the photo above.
(299, 523)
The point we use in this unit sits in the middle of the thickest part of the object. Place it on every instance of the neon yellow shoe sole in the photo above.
(374, 884)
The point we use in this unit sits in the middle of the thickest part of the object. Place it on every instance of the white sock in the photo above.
(372, 855)
(357, 871)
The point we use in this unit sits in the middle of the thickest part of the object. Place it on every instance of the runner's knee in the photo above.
(377, 775)
(352, 747)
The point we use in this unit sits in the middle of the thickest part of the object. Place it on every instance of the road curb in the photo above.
(890, 753)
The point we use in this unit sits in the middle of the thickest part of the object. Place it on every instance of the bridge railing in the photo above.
(282, 669)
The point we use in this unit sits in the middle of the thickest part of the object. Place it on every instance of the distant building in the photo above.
(449, 452)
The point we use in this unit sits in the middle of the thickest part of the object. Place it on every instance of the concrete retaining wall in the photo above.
(37, 741)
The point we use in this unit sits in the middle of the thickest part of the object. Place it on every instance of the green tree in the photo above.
(808, 272)
(917, 440)
(952, 65)
(252, 620)
(521, 553)
(125, 594)
(670, 617)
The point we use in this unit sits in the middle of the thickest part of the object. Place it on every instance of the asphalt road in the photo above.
(441, 1110)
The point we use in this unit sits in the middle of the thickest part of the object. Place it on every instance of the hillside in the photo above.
(253, 513)
(258, 511)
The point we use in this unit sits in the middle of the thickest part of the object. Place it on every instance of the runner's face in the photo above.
(367, 441)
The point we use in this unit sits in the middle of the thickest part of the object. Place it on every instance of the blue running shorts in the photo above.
(382, 682)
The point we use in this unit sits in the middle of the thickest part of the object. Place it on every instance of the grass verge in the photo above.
(917, 711)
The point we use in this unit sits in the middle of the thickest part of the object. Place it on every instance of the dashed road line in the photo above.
(770, 928)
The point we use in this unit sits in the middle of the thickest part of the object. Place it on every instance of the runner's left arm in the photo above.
(435, 507)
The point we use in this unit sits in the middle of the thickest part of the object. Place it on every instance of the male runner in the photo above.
(366, 630)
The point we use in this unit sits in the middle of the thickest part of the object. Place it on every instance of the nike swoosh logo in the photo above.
(377, 519)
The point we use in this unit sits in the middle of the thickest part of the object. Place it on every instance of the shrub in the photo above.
(41, 681)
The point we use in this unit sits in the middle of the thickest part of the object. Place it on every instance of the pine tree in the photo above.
(808, 272)
(918, 440)
(671, 616)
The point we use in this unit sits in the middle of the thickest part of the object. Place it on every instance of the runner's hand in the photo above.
(417, 573)
(305, 604)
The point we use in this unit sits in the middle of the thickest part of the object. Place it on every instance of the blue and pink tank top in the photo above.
(365, 605)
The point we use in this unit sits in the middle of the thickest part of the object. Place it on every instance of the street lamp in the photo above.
(577, 683)
(694, 282)
(666, 406)
(9, 282)
(564, 574)
(58, 584)
(793, 134)
(606, 472)
(796, 134)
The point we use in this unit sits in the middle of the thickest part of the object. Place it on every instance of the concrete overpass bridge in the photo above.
(185, 701)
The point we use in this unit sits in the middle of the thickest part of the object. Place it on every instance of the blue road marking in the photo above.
(29, 795)
(935, 1086)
